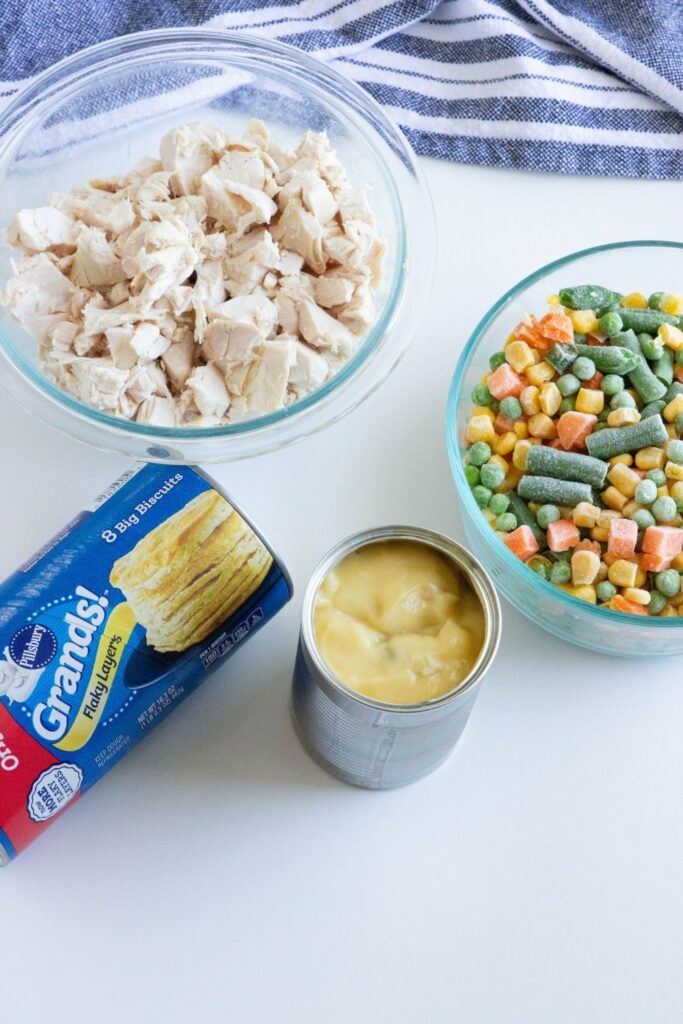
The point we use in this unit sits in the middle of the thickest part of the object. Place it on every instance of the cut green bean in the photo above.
(646, 383)
(647, 321)
(561, 357)
(652, 409)
(525, 517)
(589, 296)
(618, 440)
(554, 491)
(664, 366)
(610, 358)
(566, 465)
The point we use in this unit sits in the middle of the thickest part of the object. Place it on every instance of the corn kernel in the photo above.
(505, 443)
(590, 400)
(676, 491)
(520, 428)
(672, 304)
(519, 456)
(583, 320)
(530, 401)
(498, 460)
(637, 595)
(600, 533)
(605, 517)
(650, 458)
(554, 300)
(671, 431)
(541, 425)
(519, 355)
(668, 612)
(623, 417)
(629, 508)
(584, 514)
(626, 458)
(479, 428)
(622, 573)
(489, 516)
(511, 480)
(671, 411)
(624, 479)
(676, 601)
(663, 492)
(585, 565)
(540, 373)
(635, 300)
(677, 562)
(641, 577)
(550, 398)
(614, 499)
(483, 410)
(672, 336)
(584, 592)
(673, 471)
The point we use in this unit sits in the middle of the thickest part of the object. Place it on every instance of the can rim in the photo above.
(478, 577)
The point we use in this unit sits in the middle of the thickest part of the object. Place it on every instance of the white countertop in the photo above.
(219, 875)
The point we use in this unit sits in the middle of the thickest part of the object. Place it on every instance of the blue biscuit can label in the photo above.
(113, 623)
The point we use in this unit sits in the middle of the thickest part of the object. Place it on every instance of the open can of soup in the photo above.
(373, 743)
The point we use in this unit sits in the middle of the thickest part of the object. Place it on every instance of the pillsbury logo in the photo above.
(33, 646)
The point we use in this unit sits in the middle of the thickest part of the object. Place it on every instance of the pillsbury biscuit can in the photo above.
(111, 625)
(367, 742)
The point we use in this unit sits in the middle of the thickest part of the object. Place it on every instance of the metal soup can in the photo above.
(371, 743)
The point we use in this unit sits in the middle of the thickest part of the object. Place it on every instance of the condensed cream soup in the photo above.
(398, 622)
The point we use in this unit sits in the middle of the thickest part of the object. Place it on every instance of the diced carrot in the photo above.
(556, 327)
(526, 330)
(504, 382)
(502, 424)
(589, 545)
(594, 381)
(574, 427)
(655, 563)
(678, 373)
(590, 340)
(621, 604)
(522, 542)
(622, 537)
(663, 540)
(563, 534)
(555, 443)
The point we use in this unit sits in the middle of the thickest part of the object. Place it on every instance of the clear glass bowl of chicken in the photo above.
(216, 246)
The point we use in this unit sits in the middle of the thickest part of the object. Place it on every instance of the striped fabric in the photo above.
(577, 86)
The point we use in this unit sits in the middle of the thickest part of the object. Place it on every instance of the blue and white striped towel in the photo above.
(578, 86)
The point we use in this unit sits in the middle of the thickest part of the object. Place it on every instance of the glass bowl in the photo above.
(98, 112)
(624, 266)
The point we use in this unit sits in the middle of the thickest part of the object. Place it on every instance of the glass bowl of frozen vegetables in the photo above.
(565, 439)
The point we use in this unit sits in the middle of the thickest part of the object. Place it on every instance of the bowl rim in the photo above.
(456, 395)
(250, 50)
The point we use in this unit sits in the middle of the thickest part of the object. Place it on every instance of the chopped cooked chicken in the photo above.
(223, 281)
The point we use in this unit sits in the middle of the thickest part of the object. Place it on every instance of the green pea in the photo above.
(655, 300)
(542, 570)
(482, 495)
(657, 603)
(643, 518)
(674, 451)
(605, 591)
(496, 360)
(479, 453)
(560, 573)
(583, 368)
(567, 404)
(546, 515)
(612, 384)
(664, 509)
(646, 492)
(624, 400)
(506, 522)
(511, 408)
(568, 383)
(668, 582)
(492, 475)
(472, 475)
(673, 389)
(610, 324)
(601, 425)
(658, 476)
(481, 395)
(499, 504)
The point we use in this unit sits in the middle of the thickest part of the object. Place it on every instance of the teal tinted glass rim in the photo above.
(152, 43)
(455, 396)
